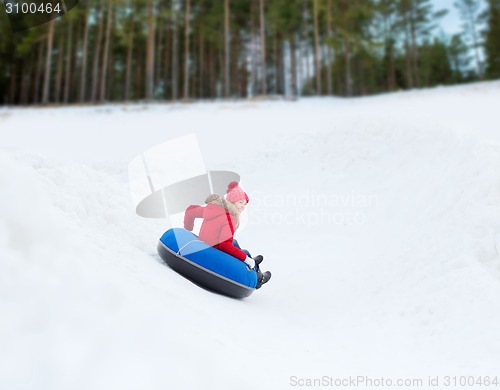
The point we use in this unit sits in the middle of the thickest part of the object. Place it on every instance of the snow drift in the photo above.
(379, 217)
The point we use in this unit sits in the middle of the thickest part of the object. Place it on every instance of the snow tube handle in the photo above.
(185, 245)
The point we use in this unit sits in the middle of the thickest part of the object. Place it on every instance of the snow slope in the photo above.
(379, 217)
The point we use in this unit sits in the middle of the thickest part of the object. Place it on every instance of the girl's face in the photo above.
(240, 205)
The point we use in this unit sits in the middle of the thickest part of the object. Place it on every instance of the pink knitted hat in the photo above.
(234, 193)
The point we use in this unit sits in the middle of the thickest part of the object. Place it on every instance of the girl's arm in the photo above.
(228, 247)
(192, 212)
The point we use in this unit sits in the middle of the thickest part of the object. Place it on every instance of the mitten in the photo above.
(250, 262)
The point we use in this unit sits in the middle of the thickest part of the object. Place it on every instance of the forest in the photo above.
(185, 50)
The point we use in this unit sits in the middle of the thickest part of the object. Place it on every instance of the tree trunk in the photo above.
(32, 76)
(175, 58)
(347, 57)
(83, 81)
(39, 70)
(305, 52)
(281, 64)
(307, 66)
(414, 50)
(276, 60)
(473, 29)
(67, 76)
(317, 69)
(391, 71)
(130, 51)
(226, 49)
(243, 68)
(150, 56)
(97, 54)
(235, 61)
(409, 67)
(48, 62)
(186, 50)
(59, 71)
(111, 76)
(166, 71)
(212, 72)
(253, 51)
(293, 70)
(329, 72)
(263, 47)
(299, 64)
(159, 45)
(104, 70)
(221, 68)
(22, 82)
(139, 72)
(201, 61)
(13, 82)
(26, 79)
(22, 87)
(361, 77)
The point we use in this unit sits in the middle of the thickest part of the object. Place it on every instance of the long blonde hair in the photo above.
(237, 216)
(229, 206)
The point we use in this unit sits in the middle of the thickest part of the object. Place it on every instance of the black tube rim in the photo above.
(206, 269)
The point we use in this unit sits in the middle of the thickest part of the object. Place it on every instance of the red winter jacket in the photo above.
(217, 229)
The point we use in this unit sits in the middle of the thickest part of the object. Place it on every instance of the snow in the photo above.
(379, 218)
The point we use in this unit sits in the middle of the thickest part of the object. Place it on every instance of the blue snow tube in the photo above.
(205, 265)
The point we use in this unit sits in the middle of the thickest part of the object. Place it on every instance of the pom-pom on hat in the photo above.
(234, 193)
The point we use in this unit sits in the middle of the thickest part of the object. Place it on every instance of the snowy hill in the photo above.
(379, 217)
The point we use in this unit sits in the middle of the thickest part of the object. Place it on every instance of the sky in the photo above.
(450, 23)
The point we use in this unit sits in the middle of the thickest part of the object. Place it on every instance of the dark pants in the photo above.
(235, 243)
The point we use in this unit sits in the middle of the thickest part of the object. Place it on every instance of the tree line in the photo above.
(122, 50)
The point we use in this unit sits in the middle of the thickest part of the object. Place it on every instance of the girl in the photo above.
(221, 218)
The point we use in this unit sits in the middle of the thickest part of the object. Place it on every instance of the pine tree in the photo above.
(227, 37)
(263, 47)
(458, 55)
(387, 18)
(317, 67)
(150, 56)
(351, 19)
(186, 47)
(48, 62)
(107, 42)
(124, 49)
(83, 75)
(469, 12)
(492, 40)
